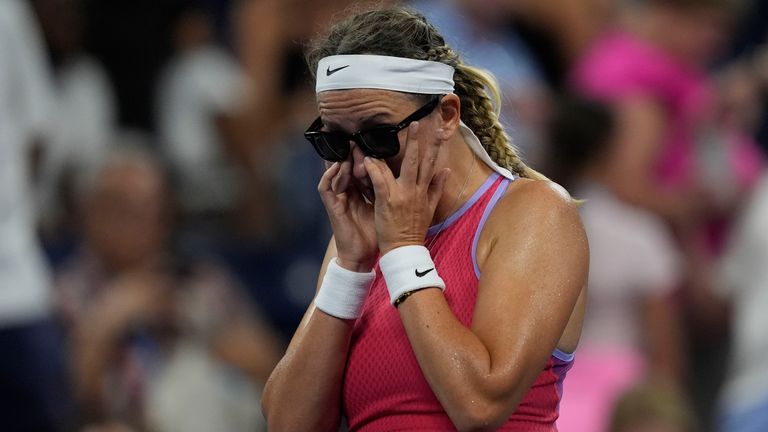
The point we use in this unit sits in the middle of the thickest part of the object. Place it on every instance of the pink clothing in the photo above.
(697, 155)
(595, 382)
(384, 387)
(632, 259)
(620, 66)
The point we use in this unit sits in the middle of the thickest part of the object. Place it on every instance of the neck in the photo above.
(468, 173)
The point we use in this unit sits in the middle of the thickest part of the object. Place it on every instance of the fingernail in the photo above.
(414, 126)
(366, 159)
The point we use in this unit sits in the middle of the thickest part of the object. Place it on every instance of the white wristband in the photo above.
(409, 268)
(343, 292)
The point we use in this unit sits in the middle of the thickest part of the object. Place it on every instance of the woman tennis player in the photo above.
(453, 290)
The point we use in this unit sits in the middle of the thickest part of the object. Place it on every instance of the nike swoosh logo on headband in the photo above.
(329, 71)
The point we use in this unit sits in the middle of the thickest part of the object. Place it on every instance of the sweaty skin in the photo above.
(532, 254)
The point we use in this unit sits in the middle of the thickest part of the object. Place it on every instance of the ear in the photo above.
(450, 115)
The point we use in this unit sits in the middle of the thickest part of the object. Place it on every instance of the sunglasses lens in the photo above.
(331, 147)
(380, 143)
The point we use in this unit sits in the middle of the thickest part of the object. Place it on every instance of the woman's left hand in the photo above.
(405, 206)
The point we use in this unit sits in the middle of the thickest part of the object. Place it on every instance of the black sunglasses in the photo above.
(379, 142)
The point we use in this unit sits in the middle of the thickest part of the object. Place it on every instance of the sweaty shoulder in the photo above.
(532, 211)
(537, 202)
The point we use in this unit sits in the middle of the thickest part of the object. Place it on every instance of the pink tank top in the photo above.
(384, 388)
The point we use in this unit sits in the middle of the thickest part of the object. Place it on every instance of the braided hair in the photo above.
(400, 32)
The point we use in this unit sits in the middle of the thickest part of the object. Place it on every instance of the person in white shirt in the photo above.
(31, 367)
(744, 277)
(201, 90)
(25, 96)
(85, 110)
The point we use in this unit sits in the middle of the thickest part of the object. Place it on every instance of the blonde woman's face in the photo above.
(350, 111)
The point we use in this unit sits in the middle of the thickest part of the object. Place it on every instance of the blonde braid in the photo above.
(475, 88)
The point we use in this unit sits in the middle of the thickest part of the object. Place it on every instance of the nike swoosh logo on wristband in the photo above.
(421, 274)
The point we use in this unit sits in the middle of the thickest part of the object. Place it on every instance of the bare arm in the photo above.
(534, 259)
(304, 391)
(664, 339)
(533, 271)
(98, 335)
(93, 352)
(250, 344)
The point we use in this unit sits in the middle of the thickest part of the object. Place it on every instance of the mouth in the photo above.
(368, 194)
(365, 188)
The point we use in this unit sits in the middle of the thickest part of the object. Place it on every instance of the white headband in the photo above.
(341, 72)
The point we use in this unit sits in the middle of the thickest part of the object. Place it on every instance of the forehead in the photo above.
(351, 109)
(129, 180)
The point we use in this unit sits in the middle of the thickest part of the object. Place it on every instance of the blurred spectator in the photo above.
(651, 407)
(84, 107)
(478, 30)
(199, 94)
(283, 231)
(744, 274)
(749, 47)
(559, 32)
(302, 225)
(652, 72)
(675, 155)
(270, 37)
(33, 395)
(629, 330)
(158, 342)
(741, 93)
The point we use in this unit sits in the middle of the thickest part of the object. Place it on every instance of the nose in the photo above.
(358, 166)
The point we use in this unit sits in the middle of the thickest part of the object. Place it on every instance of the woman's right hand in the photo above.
(351, 218)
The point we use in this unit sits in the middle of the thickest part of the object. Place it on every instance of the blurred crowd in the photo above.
(161, 231)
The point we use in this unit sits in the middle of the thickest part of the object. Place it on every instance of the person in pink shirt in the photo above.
(630, 329)
(452, 293)
(675, 154)
(652, 70)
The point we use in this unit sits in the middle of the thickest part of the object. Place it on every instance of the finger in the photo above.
(427, 165)
(379, 177)
(409, 168)
(437, 187)
(341, 182)
(325, 187)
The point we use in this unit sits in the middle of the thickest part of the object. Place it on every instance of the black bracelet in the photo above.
(404, 296)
